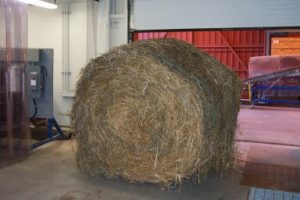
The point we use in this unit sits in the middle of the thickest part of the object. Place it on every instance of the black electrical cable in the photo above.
(35, 109)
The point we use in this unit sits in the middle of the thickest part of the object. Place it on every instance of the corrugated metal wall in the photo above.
(233, 48)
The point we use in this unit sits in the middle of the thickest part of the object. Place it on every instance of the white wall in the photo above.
(45, 30)
(78, 40)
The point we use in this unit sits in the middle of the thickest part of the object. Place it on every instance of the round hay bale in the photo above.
(155, 111)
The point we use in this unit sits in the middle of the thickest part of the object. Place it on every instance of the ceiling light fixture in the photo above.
(40, 3)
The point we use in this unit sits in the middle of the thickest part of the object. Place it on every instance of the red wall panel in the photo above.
(232, 48)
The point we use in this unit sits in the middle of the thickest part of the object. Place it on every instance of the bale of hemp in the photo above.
(158, 111)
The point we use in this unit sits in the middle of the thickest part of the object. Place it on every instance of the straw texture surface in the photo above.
(157, 111)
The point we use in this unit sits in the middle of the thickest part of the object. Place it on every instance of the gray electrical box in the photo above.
(39, 77)
(36, 81)
(40, 82)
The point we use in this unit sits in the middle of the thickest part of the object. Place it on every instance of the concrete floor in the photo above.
(50, 173)
(272, 125)
(268, 147)
(269, 127)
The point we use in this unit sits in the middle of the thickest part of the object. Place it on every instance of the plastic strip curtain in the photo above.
(14, 122)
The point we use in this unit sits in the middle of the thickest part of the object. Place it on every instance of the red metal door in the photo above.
(232, 48)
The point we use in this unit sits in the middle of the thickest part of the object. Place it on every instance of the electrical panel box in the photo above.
(36, 81)
(33, 81)
(39, 76)
(40, 82)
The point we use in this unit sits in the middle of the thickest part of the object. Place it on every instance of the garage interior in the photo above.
(42, 52)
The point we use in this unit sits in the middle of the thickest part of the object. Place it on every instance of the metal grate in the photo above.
(273, 168)
(267, 194)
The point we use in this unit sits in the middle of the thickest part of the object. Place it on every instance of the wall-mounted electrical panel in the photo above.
(40, 83)
(36, 81)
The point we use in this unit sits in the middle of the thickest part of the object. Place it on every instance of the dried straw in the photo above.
(156, 111)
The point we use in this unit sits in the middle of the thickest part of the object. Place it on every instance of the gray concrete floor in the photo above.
(50, 172)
